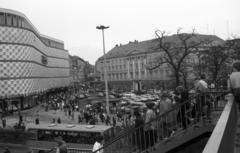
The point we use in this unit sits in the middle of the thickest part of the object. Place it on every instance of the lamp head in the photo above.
(102, 27)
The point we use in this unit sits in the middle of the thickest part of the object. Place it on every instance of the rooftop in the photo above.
(145, 46)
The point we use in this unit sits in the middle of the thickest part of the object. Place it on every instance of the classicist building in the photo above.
(30, 62)
(126, 65)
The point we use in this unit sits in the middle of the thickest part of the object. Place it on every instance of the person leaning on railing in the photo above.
(234, 83)
(205, 100)
(150, 128)
(181, 116)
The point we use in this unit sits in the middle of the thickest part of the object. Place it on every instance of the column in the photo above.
(139, 68)
(128, 72)
(145, 70)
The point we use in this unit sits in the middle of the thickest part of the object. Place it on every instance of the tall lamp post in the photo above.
(105, 69)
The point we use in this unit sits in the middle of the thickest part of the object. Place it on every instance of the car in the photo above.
(100, 94)
(91, 91)
(81, 96)
(143, 99)
(111, 96)
(86, 95)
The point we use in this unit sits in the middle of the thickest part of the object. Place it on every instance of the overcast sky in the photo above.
(75, 21)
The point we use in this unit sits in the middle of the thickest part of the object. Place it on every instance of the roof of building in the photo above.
(145, 46)
(25, 17)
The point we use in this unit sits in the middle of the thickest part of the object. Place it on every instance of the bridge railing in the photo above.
(222, 139)
(204, 106)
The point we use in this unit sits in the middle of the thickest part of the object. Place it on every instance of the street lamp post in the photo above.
(105, 69)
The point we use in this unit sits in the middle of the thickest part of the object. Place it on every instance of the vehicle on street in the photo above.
(86, 95)
(111, 96)
(100, 94)
(42, 137)
(91, 91)
(81, 96)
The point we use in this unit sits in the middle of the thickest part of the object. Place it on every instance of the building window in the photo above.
(142, 66)
(142, 75)
(136, 75)
(9, 19)
(131, 75)
(136, 66)
(14, 20)
(2, 18)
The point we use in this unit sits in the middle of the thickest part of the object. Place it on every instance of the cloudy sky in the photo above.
(75, 21)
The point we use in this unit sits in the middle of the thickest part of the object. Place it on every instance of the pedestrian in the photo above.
(20, 118)
(59, 120)
(101, 117)
(204, 100)
(54, 119)
(62, 147)
(150, 127)
(181, 116)
(98, 144)
(92, 121)
(73, 115)
(37, 120)
(165, 105)
(7, 150)
(234, 83)
(140, 138)
(65, 110)
(69, 112)
(114, 121)
(4, 123)
(79, 118)
(108, 120)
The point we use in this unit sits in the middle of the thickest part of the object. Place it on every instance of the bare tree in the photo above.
(217, 58)
(174, 52)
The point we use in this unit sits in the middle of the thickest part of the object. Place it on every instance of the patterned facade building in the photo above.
(126, 65)
(29, 61)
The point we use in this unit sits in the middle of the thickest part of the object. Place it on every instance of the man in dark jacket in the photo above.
(183, 96)
(140, 139)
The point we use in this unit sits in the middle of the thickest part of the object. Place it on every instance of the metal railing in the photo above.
(222, 139)
(72, 150)
(202, 107)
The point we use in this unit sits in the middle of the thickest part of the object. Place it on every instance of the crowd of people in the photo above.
(199, 108)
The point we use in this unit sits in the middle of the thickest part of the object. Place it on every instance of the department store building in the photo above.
(30, 62)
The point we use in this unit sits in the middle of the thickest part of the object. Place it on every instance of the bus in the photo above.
(42, 137)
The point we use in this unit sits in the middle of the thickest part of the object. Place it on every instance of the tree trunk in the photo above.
(177, 78)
